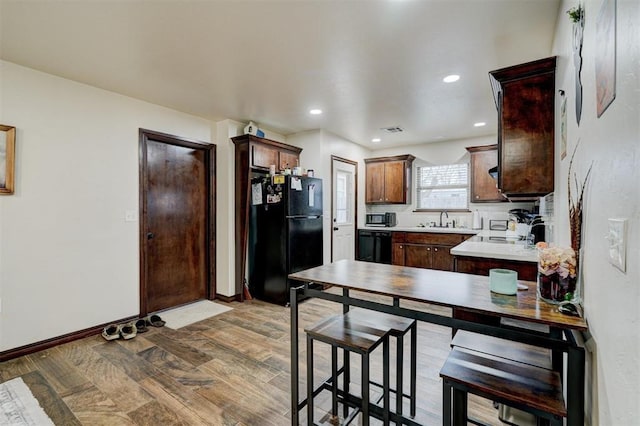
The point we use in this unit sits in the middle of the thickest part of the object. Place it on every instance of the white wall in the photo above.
(225, 200)
(68, 259)
(612, 144)
(318, 147)
(437, 153)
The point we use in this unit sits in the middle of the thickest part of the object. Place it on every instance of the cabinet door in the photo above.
(394, 183)
(397, 254)
(441, 258)
(417, 255)
(287, 159)
(263, 156)
(375, 183)
(484, 188)
(527, 136)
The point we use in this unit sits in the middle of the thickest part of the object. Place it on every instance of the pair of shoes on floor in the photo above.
(116, 331)
(143, 324)
(154, 320)
(131, 329)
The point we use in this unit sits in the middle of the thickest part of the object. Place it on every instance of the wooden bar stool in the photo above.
(341, 332)
(399, 327)
(523, 386)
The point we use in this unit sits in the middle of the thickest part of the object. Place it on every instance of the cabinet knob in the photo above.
(435, 249)
(428, 248)
(401, 247)
(477, 196)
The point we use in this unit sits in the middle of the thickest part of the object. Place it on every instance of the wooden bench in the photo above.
(523, 386)
(340, 331)
(526, 354)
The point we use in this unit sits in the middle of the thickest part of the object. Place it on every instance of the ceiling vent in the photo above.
(393, 129)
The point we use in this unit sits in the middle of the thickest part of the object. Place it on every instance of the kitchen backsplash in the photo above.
(406, 217)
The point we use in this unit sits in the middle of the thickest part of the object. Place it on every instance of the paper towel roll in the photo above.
(476, 221)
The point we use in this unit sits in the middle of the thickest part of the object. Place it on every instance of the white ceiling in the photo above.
(366, 64)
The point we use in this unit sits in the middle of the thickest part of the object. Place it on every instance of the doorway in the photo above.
(344, 190)
(177, 221)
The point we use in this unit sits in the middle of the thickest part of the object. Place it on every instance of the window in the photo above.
(443, 187)
(342, 203)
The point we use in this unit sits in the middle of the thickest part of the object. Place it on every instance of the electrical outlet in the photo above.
(618, 243)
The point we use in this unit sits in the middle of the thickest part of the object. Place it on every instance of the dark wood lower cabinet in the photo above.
(417, 255)
(527, 271)
(425, 250)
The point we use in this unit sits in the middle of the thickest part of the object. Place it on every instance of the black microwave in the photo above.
(381, 219)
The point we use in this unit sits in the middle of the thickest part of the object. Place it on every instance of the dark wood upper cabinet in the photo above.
(484, 188)
(388, 180)
(525, 98)
(253, 154)
(265, 152)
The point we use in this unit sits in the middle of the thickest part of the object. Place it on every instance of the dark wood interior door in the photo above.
(176, 226)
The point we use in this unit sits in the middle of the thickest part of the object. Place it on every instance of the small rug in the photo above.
(192, 313)
(18, 406)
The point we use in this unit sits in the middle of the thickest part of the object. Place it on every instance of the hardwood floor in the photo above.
(232, 369)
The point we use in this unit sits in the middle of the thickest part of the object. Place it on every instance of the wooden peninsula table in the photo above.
(457, 291)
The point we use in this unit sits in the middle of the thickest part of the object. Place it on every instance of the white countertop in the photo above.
(481, 246)
(421, 229)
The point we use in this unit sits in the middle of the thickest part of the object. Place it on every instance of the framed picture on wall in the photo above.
(605, 57)
(7, 158)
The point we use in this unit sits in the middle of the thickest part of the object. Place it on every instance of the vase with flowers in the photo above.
(557, 274)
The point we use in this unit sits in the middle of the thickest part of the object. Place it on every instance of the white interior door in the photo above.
(343, 192)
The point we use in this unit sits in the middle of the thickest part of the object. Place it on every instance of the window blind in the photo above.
(444, 187)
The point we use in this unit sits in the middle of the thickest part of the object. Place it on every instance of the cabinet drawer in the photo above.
(527, 271)
(398, 237)
(433, 238)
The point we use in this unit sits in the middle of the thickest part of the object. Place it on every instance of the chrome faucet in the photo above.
(445, 212)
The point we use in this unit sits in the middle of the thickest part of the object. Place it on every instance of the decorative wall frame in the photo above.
(605, 57)
(563, 125)
(576, 15)
(7, 158)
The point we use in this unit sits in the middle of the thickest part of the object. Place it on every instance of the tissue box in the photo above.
(503, 281)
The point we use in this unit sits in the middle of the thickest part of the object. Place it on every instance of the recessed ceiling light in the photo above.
(479, 124)
(375, 140)
(315, 111)
(451, 78)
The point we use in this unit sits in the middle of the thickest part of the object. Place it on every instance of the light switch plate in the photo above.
(130, 216)
(618, 243)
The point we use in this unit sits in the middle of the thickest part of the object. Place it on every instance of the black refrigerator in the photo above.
(285, 233)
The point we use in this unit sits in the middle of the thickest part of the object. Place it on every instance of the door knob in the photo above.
(150, 235)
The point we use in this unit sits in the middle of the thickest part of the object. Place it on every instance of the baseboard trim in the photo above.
(228, 299)
(54, 341)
